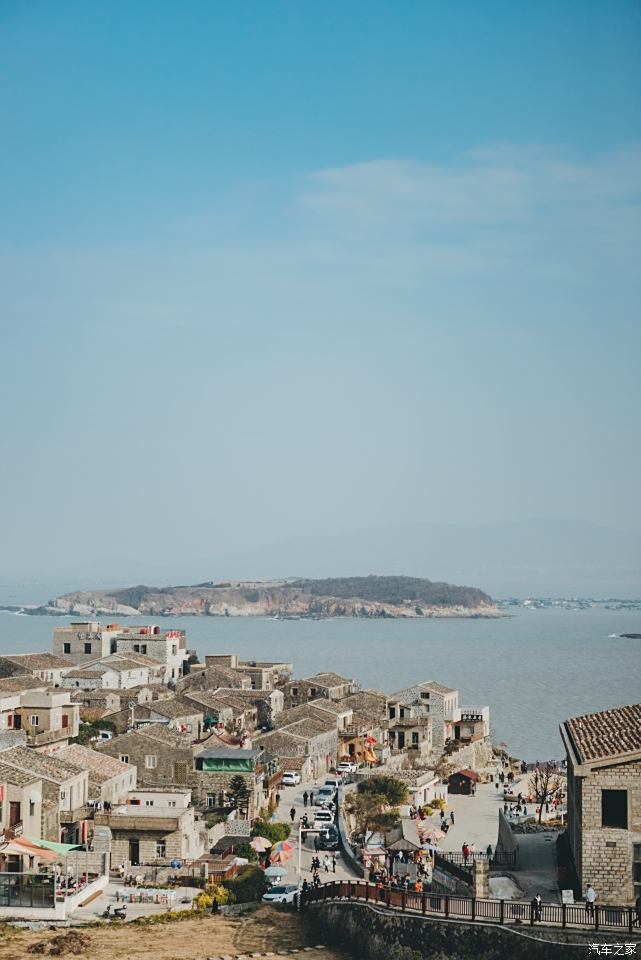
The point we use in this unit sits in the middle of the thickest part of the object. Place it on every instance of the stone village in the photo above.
(123, 758)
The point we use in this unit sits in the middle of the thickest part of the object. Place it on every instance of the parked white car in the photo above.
(284, 894)
(332, 783)
(290, 778)
(346, 766)
(322, 818)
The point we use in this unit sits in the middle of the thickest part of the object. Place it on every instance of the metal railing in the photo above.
(496, 859)
(473, 909)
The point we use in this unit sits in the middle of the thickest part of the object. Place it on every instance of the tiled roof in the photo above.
(436, 687)
(37, 661)
(42, 764)
(158, 731)
(335, 707)
(101, 766)
(16, 684)
(11, 775)
(142, 659)
(309, 728)
(174, 707)
(610, 733)
(328, 679)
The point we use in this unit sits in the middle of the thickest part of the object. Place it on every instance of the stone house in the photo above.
(63, 784)
(94, 704)
(264, 674)
(409, 727)
(161, 756)
(109, 779)
(439, 701)
(48, 717)
(228, 711)
(84, 640)
(44, 666)
(153, 827)
(115, 672)
(268, 703)
(212, 678)
(311, 739)
(603, 753)
(328, 685)
(216, 767)
(20, 802)
(326, 711)
(168, 647)
(176, 713)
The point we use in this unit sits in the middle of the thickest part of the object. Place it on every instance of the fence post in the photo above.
(447, 906)
(564, 913)
(630, 919)
(531, 914)
(403, 895)
(501, 911)
(473, 908)
(424, 906)
(367, 891)
(596, 917)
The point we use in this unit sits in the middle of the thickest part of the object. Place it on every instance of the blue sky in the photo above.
(276, 268)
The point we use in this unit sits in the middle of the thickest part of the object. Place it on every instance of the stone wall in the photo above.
(372, 933)
(507, 841)
(204, 783)
(606, 852)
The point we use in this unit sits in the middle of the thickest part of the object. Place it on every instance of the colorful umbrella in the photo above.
(260, 844)
(279, 856)
(283, 846)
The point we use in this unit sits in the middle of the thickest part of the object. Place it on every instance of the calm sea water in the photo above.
(534, 669)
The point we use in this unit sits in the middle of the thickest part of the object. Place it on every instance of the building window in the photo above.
(34, 719)
(171, 803)
(143, 648)
(614, 809)
(149, 803)
(312, 691)
(211, 800)
(32, 808)
(66, 648)
(174, 649)
(294, 691)
(151, 762)
(161, 849)
(636, 869)
(87, 648)
(415, 739)
(124, 758)
(136, 648)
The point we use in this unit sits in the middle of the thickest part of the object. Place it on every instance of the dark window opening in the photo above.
(614, 809)
(87, 648)
(66, 648)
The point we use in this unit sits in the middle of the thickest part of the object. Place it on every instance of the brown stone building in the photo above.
(162, 757)
(604, 801)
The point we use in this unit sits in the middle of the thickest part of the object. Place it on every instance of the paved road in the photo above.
(293, 797)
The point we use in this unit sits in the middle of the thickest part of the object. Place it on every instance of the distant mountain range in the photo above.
(338, 597)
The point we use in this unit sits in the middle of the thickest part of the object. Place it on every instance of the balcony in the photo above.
(145, 818)
(74, 816)
(35, 739)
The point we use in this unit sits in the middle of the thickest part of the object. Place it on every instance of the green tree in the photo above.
(273, 831)
(238, 794)
(372, 812)
(394, 791)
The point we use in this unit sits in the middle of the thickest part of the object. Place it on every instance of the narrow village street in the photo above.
(293, 797)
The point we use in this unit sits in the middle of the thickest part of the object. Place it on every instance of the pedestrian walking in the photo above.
(452, 818)
(311, 798)
(277, 799)
(497, 786)
(305, 798)
(292, 814)
(590, 897)
(488, 852)
(316, 842)
(326, 862)
(334, 864)
(465, 850)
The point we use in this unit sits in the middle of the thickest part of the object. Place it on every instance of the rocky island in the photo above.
(373, 596)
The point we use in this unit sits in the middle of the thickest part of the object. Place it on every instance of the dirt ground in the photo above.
(262, 931)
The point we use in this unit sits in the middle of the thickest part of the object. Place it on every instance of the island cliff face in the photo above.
(347, 597)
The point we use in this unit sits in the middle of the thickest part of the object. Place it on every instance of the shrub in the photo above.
(274, 831)
(393, 790)
(249, 885)
(248, 853)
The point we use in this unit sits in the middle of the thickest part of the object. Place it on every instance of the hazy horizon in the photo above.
(289, 272)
